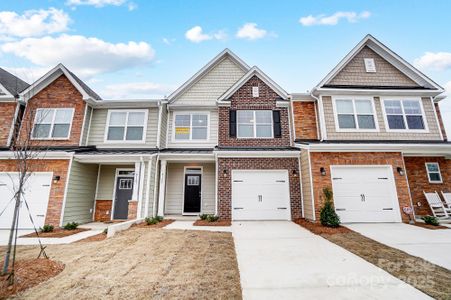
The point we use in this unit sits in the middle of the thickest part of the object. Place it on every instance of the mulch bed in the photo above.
(94, 238)
(56, 233)
(158, 225)
(429, 226)
(29, 273)
(217, 223)
(317, 228)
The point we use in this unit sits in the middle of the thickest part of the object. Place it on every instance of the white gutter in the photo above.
(257, 153)
(322, 121)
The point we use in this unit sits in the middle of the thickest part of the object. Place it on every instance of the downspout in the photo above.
(321, 115)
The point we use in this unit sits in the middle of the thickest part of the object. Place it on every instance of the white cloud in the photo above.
(350, 16)
(85, 56)
(197, 35)
(168, 41)
(250, 31)
(136, 90)
(434, 60)
(33, 23)
(101, 3)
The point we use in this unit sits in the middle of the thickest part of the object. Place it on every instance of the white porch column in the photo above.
(136, 182)
(162, 189)
(142, 168)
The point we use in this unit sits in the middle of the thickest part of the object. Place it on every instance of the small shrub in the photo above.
(328, 216)
(212, 218)
(159, 218)
(151, 221)
(47, 228)
(431, 220)
(71, 226)
(203, 216)
(105, 231)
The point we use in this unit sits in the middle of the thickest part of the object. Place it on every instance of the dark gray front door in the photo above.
(192, 193)
(124, 191)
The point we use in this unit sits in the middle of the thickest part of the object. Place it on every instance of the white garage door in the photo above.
(365, 194)
(36, 193)
(260, 195)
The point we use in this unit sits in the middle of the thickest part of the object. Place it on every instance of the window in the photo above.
(126, 125)
(193, 180)
(254, 124)
(404, 114)
(370, 66)
(434, 175)
(125, 184)
(355, 114)
(255, 92)
(52, 123)
(191, 126)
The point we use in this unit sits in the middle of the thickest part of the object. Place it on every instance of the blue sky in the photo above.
(145, 49)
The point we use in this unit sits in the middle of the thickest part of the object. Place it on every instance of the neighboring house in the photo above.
(231, 142)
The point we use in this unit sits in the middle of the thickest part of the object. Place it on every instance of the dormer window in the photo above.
(370, 65)
(52, 123)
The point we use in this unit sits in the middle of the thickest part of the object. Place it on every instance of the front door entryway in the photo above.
(124, 192)
(193, 184)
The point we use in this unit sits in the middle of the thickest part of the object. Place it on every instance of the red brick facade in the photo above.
(242, 99)
(326, 159)
(59, 168)
(132, 209)
(419, 181)
(225, 184)
(440, 121)
(7, 112)
(58, 94)
(103, 210)
(305, 123)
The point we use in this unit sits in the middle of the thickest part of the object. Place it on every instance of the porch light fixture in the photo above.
(400, 171)
(56, 178)
(295, 172)
(322, 171)
(224, 173)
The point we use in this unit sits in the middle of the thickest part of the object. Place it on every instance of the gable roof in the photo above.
(204, 70)
(11, 83)
(390, 56)
(86, 92)
(254, 71)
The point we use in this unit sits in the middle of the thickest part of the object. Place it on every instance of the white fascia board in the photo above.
(376, 92)
(192, 107)
(257, 154)
(127, 103)
(112, 159)
(43, 155)
(302, 97)
(187, 156)
(7, 97)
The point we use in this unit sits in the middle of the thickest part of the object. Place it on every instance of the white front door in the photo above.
(365, 194)
(260, 195)
(36, 194)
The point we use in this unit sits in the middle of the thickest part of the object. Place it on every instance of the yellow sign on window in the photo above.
(182, 130)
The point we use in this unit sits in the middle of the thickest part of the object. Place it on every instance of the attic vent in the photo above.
(370, 66)
(255, 92)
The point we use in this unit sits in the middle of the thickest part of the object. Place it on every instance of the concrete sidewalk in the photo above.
(282, 260)
(188, 225)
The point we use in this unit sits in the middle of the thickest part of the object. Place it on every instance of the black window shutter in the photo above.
(232, 123)
(277, 126)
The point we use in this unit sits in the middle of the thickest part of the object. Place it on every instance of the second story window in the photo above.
(355, 114)
(126, 126)
(404, 114)
(52, 123)
(190, 126)
(254, 123)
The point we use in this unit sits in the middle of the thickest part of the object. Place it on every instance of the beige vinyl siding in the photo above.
(98, 125)
(106, 180)
(164, 126)
(212, 85)
(211, 142)
(306, 185)
(175, 187)
(86, 123)
(80, 195)
(151, 182)
(332, 134)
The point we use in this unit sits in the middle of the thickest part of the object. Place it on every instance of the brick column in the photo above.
(132, 209)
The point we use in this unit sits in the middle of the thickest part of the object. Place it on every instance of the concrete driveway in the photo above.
(281, 259)
(431, 245)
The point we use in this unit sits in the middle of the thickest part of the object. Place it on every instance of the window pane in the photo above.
(245, 116)
(393, 107)
(264, 131)
(344, 107)
(412, 107)
(115, 133)
(136, 119)
(41, 131)
(63, 116)
(44, 116)
(199, 133)
(363, 107)
(245, 130)
(434, 177)
(134, 134)
(263, 116)
(118, 118)
(396, 122)
(415, 122)
(60, 130)
(200, 120)
(432, 167)
(366, 122)
(346, 121)
(182, 120)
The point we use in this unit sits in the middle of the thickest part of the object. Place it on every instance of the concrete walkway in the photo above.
(188, 225)
(282, 260)
(431, 245)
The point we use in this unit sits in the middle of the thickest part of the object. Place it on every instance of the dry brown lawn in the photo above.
(143, 263)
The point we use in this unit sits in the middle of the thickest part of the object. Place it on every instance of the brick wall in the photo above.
(440, 121)
(242, 99)
(305, 125)
(419, 181)
(59, 94)
(59, 168)
(132, 210)
(103, 210)
(7, 112)
(326, 159)
(225, 184)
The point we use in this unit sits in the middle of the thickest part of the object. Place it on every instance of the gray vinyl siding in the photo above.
(151, 182)
(86, 123)
(80, 195)
(211, 142)
(98, 126)
(164, 126)
(332, 134)
(175, 187)
(144, 189)
(306, 185)
(106, 180)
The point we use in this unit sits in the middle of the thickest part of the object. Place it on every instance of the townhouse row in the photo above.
(230, 141)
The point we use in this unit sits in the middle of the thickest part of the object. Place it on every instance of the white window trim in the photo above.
(406, 130)
(255, 125)
(439, 172)
(190, 140)
(124, 141)
(357, 129)
(49, 138)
